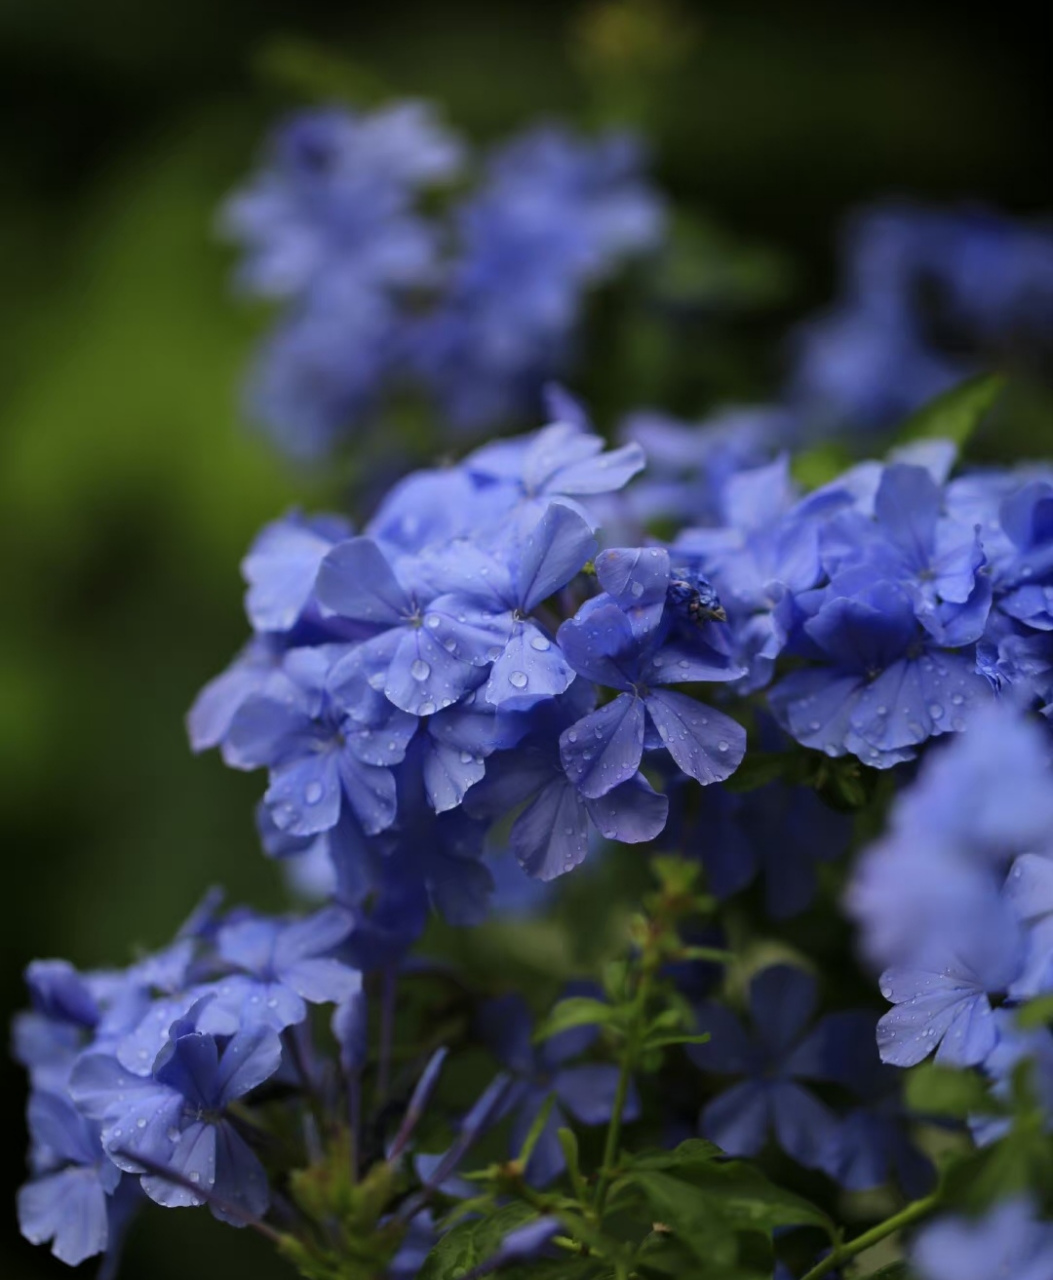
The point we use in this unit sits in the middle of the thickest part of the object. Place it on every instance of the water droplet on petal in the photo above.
(313, 792)
(466, 757)
(637, 589)
(433, 620)
(173, 1134)
(419, 669)
(936, 711)
(518, 679)
(572, 736)
(539, 643)
(722, 745)
(426, 709)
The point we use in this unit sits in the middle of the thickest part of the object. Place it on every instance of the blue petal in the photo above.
(932, 1006)
(240, 1178)
(371, 793)
(634, 576)
(706, 744)
(555, 549)
(805, 1128)
(315, 935)
(194, 1158)
(729, 1050)
(918, 698)
(68, 1208)
(907, 504)
(424, 677)
(191, 1066)
(304, 795)
(588, 1093)
(782, 1002)
(250, 1058)
(216, 705)
(674, 664)
(599, 644)
(531, 667)
(604, 748)
(281, 569)
(322, 981)
(506, 1026)
(603, 474)
(737, 1120)
(632, 813)
(449, 772)
(356, 581)
(268, 730)
(550, 836)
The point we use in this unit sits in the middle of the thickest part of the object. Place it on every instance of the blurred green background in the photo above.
(128, 486)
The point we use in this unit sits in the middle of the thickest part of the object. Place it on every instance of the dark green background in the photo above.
(128, 487)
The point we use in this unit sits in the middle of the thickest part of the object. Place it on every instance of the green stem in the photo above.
(614, 1129)
(843, 1252)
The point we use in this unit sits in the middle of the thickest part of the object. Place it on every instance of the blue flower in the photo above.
(885, 686)
(780, 1053)
(335, 196)
(555, 215)
(498, 594)
(587, 1091)
(276, 966)
(929, 297)
(176, 1118)
(943, 1002)
(689, 464)
(68, 1200)
(935, 559)
(783, 830)
(1008, 1241)
(936, 878)
(604, 749)
(550, 836)
(321, 759)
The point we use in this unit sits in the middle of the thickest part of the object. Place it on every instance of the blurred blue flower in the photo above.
(1008, 1241)
(587, 1090)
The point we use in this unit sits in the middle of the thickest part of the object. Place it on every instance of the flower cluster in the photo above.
(410, 686)
(141, 1072)
(956, 902)
(929, 297)
(477, 307)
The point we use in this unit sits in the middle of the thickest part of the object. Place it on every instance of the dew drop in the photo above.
(419, 669)
(140, 1123)
(539, 643)
(426, 709)
(518, 679)
(195, 1176)
(433, 620)
(957, 699)
(722, 745)
(466, 757)
(637, 589)
(572, 736)
(313, 792)
(173, 1134)
(936, 711)
(815, 726)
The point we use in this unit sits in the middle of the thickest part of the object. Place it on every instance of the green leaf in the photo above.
(1036, 1013)
(943, 1091)
(472, 1243)
(894, 1271)
(687, 1156)
(576, 1011)
(956, 414)
(662, 1040)
(696, 1197)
